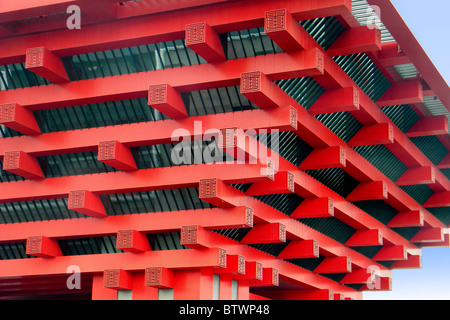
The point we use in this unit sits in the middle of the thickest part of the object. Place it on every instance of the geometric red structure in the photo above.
(214, 149)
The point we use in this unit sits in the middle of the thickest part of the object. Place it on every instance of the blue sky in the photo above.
(428, 21)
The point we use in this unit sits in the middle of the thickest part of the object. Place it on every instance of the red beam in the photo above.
(150, 133)
(22, 164)
(159, 277)
(429, 126)
(283, 183)
(332, 157)
(155, 222)
(371, 135)
(365, 238)
(302, 249)
(258, 88)
(43, 247)
(415, 176)
(413, 262)
(314, 208)
(408, 92)
(216, 192)
(183, 79)
(95, 263)
(134, 181)
(166, 26)
(117, 279)
(46, 64)
(167, 100)
(132, 241)
(16, 117)
(428, 235)
(391, 253)
(334, 265)
(284, 30)
(338, 100)
(391, 55)
(86, 202)
(236, 265)
(202, 39)
(356, 40)
(445, 163)
(445, 243)
(265, 233)
(379, 284)
(115, 154)
(369, 191)
(438, 199)
(359, 276)
(407, 219)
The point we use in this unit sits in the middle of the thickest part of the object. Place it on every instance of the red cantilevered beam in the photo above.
(167, 100)
(334, 265)
(300, 249)
(429, 126)
(391, 55)
(332, 157)
(283, 183)
(22, 164)
(369, 191)
(159, 277)
(338, 100)
(365, 238)
(16, 117)
(43, 247)
(46, 64)
(202, 39)
(407, 219)
(425, 235)
(155, 222)
(314, 208)
(413, 262)
(356, 40)
(132, 241)
(265, 233)
(86, 202)
(359, 276)
(258, 88)
(409, 92)
(445, 163)
(284, 30)
(391, 253)
(438, 199)
(415, 176)
(116, 155)
(117, 279)
(376, 134)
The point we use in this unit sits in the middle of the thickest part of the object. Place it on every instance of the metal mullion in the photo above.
(232, 45)
(242, 44)
(127, 67)
(19, 81)
(177, 54)
(168, 54)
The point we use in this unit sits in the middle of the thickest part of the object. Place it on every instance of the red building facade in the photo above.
(215, 149)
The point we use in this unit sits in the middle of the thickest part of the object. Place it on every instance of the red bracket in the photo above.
(16, 117)
(43, 247)
(391, 253)
(167, 100)
(323, 158)
(338, 100)
(429, 126)
(409, 92)
(407, 219)
(159, 277)
(117, 279)
(46, 64)
(22, 164)
(216, 192)
(284, 30)
(266, 233)
(365, 238)
(203, 40)
(132, 241)
(259, 89)
(356, 40)
(374, 190)
(115, 154)
(302, 249)
(334, 265)
(314, 208)
(415, 176)
(372, 135)
(86, 202)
